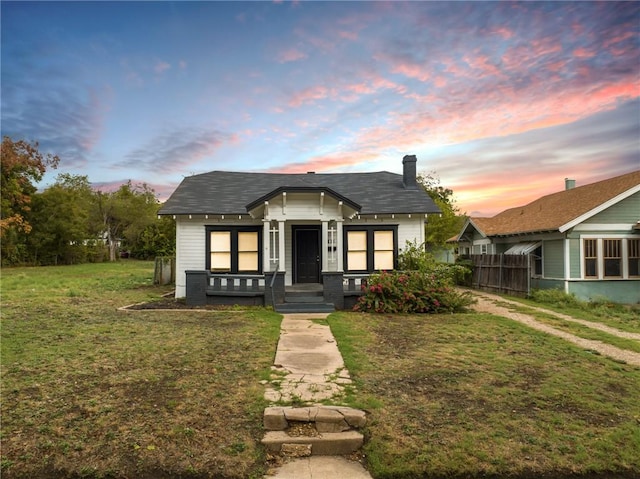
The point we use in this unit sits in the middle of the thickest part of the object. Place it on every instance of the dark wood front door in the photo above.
(307, 255)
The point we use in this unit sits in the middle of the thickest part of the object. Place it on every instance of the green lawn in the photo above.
(89, 391)
(471, 395)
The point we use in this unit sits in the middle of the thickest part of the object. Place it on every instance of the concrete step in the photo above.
(325, 444)
(290, 298)
(319, 307)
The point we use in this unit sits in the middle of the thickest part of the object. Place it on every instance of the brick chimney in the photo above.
(409, 172)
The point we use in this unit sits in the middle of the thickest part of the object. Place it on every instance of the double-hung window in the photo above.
(370, 248)
(610, 258)
(633, 250)
(233, 249)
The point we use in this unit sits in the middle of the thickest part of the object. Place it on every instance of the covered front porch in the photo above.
(335, 291)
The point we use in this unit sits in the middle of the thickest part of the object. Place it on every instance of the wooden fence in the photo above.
(502, 273)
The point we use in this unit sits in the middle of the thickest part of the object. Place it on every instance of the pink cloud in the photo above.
(161, 67)
(309, 95)
(291, 55)
(411, 70)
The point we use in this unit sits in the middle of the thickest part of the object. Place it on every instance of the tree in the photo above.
(124, 214)
(440, 228)
(22, 165)
(61, 229)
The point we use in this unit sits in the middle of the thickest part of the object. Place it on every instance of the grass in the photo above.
(473, 395)
(622, 317)
(89, 391)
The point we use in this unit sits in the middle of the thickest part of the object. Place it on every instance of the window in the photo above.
(591, 258)
(248, 251)
(612, 257)
(220, 251)
(274, 243)
(383, 250)
(234, 249)
(633, 248)
(357, 250)
(370, 248)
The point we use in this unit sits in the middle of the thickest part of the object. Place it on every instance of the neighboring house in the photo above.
(586, 240)
(248, 237)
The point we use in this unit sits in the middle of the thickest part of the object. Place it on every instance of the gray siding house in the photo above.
(254, 238)
(585, 240)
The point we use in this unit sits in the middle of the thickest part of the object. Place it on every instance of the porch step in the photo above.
(305, 307)
(325, 444)
(303, 298)
(318, 431)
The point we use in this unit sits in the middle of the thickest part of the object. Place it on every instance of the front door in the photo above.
(307, 254)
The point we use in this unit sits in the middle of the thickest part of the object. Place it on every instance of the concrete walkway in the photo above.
(309, 369)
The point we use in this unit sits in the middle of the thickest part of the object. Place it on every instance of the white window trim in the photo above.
(600, 256)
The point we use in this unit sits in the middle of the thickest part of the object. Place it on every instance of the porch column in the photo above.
(266, 246)
(339, 245)
(281, 252)
(324, 246)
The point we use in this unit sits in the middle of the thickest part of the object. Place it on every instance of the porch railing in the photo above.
(355, 283)
(237, 284)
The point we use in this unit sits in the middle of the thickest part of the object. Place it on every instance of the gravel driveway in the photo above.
(487, 304)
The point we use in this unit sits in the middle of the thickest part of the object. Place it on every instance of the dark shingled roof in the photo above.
(226, 192)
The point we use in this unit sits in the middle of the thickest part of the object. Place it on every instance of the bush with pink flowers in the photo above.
(430, 289)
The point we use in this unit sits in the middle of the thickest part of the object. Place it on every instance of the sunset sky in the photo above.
(501, 100)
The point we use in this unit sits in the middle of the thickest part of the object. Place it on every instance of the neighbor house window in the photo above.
(591, 258)
(612, 257)
(233, 249)
(371, 248)
(633, 249)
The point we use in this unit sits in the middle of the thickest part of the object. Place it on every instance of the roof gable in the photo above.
(562, 210)
(225, 192)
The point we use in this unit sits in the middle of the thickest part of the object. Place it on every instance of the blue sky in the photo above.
(501, 100)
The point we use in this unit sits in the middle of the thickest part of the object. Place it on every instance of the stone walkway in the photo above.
(487, 303)
(308, 369)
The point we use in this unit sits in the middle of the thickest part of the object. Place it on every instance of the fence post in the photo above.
(500, 274)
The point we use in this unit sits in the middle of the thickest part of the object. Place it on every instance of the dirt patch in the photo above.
(173, 303)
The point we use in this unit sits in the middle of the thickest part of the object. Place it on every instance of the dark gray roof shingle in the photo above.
(226, 192)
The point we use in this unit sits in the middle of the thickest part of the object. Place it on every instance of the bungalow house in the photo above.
(261, 238)
(585, 240)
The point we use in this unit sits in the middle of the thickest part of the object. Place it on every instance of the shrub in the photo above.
(555, 297)
(413, 292)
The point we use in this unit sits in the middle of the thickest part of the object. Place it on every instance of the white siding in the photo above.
(191, 244)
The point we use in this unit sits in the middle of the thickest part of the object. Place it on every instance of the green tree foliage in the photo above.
(157, 239)
(22, 165)
(62, 233)
(440, 228)
(125, 214)
(69, 222)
